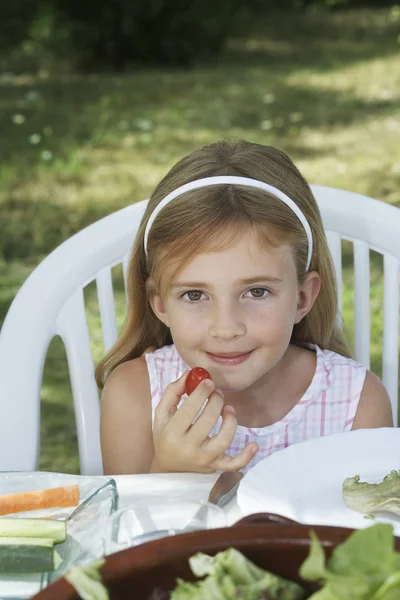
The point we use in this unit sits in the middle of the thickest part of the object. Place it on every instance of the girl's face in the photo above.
(232, 312)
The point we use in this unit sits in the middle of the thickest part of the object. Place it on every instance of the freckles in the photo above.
(188, 321)
(257, 309)
(263, 312)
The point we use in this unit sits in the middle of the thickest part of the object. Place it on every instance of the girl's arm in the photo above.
(125, 420)
(374, 409)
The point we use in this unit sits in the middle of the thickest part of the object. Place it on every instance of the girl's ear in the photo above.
(308, 293)
(156, 302)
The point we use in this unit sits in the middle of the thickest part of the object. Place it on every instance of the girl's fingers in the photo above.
(170, 400)
(205, 423)
(235, 463)
(219, 443)
(190, 409)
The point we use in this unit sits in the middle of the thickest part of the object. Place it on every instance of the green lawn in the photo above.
(325, 88)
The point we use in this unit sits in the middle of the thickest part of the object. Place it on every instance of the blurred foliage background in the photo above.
(99, 99)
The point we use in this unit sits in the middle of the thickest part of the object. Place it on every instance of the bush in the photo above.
(16, 17)
(114, 34)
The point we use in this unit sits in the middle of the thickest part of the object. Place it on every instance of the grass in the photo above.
(325, 88)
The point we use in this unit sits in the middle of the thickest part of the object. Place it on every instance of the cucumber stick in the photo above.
(27, 545)
(22, 541)
(33, 528)
(27, 555)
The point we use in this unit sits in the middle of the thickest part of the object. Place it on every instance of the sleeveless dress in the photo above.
(328, 406)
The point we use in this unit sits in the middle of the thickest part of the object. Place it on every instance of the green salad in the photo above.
(229, 574)
(364, 567)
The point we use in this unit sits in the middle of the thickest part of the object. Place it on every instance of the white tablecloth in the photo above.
(188, 486)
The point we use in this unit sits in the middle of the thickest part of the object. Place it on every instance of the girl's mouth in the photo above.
(229, 358)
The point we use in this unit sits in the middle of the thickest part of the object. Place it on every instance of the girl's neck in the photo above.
(272, 397)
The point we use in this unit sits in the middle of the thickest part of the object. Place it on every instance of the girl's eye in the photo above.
(193, 296)
(258, 292)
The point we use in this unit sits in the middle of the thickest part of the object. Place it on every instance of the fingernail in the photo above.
(254, 450)
(220, 392)
(230, 409)
(208, 383)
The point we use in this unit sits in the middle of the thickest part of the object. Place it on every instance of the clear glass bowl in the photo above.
(147, 521)
(98, 500)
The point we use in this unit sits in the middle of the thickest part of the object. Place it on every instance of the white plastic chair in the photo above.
(51, 302)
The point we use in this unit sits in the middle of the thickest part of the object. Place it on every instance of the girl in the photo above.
(231, 272)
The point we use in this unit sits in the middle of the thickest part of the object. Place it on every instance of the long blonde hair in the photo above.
(212, 218)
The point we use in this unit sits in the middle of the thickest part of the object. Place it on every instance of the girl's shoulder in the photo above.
(128, 379)
(374, 409)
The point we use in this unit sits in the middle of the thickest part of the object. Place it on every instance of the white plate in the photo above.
(304, 481)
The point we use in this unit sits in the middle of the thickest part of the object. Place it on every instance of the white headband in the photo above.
(232, 180)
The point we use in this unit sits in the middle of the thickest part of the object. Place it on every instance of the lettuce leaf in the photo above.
(86, 580)
(372, 497)
(364, 567)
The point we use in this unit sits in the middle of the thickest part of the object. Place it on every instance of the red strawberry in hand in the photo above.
(194, 377)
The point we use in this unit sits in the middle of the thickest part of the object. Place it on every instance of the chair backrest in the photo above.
(51, 302)
(370, 225)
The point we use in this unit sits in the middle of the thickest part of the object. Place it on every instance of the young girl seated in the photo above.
(230, 271)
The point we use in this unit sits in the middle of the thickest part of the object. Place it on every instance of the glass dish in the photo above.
(146, 521)
(98, 500)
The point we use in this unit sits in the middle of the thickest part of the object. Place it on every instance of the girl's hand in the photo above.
(180, 444)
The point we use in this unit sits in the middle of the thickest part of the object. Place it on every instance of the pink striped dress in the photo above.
(328, 406)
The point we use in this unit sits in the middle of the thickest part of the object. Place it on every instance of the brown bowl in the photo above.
(270, 541)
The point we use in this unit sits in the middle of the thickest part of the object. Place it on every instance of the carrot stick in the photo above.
(51, 498)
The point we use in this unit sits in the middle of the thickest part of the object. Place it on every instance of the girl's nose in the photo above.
(226, 323)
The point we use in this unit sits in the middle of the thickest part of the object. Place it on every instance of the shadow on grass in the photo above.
(75, 113)
(325, 39)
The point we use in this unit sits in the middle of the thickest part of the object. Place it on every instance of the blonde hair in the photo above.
(213, 218)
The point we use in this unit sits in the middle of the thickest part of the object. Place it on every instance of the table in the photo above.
(188, 486)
